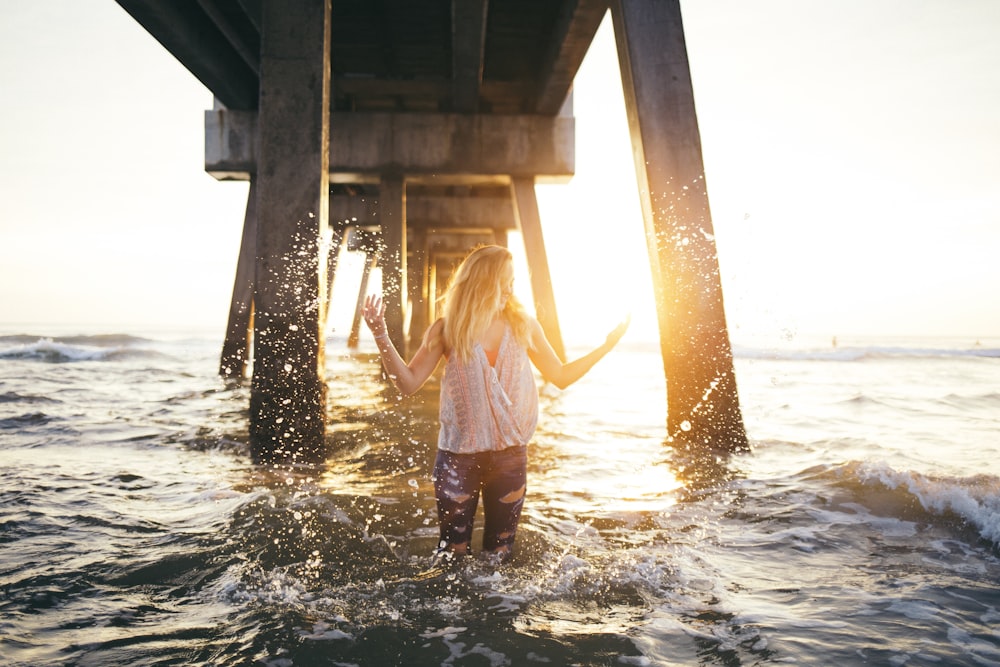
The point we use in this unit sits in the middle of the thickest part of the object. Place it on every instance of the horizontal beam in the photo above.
(431, 211)
(433, 147)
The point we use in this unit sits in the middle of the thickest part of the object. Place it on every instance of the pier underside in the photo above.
(414, 131)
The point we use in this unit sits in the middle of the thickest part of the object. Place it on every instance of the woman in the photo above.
(489, 400)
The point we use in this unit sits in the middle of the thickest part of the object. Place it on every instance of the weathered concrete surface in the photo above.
(702, 400)
(363, 146)
(231, 144)
(288, 391)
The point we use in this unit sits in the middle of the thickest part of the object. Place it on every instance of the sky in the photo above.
(852, 157)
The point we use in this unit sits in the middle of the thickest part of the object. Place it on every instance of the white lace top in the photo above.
(486, 408)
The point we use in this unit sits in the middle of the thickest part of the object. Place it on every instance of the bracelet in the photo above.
(384, 336)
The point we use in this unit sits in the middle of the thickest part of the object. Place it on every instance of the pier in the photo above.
(412, 131)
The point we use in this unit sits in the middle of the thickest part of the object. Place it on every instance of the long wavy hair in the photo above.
(479, 292)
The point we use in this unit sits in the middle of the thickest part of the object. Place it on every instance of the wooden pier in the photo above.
(412, 131)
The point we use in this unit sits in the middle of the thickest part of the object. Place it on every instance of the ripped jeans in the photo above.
(458, 481)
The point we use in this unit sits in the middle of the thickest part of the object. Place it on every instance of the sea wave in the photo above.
(974, 500)
(74, 348)
(96, 340)
(14, 397)
(26, 420)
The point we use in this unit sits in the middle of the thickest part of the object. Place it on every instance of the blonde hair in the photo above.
(475, 297)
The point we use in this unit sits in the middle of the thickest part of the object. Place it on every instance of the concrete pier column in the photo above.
(288, 391)
(530, 223)
(392, 219)
(702, 401)
(236, 349)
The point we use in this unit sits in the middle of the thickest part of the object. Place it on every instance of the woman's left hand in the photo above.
(619, 331)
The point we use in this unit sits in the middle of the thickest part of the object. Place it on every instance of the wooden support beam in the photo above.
(371, 261)
(239, 330)
(254, 9)
(576, 26)
(530, 224)
(468, 39)
(419, 308)
(365, 91)
(338, 237)
(435, 211)
(443, 212)
(238, 29)
(392, 218)
(288, 390)
(702, 402)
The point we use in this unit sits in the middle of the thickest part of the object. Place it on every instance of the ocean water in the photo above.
(862, 529)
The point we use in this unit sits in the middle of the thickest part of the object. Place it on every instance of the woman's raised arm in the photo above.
(562, 374)
(407, 377)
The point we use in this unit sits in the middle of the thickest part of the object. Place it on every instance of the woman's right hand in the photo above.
(374, 314)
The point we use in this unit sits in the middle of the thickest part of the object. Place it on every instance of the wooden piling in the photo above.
(338, 236)
(530, 223)
(239, 330)
(419, 308)
(371, 261)
(702, 400)
(288, 391)
(392, 219)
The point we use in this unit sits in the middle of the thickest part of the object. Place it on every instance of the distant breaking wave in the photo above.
(97, 340)
(65, 349)
(863, 353)
(944, 350)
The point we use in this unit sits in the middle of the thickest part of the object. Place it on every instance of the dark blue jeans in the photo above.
(459, 480)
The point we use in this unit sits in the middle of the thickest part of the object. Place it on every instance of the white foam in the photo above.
(975, 499)
(915, 609)
(449, 632)
(322, 631)
(457, 650)
(982, 651)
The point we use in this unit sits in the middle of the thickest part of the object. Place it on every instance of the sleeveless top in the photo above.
(488, 408)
